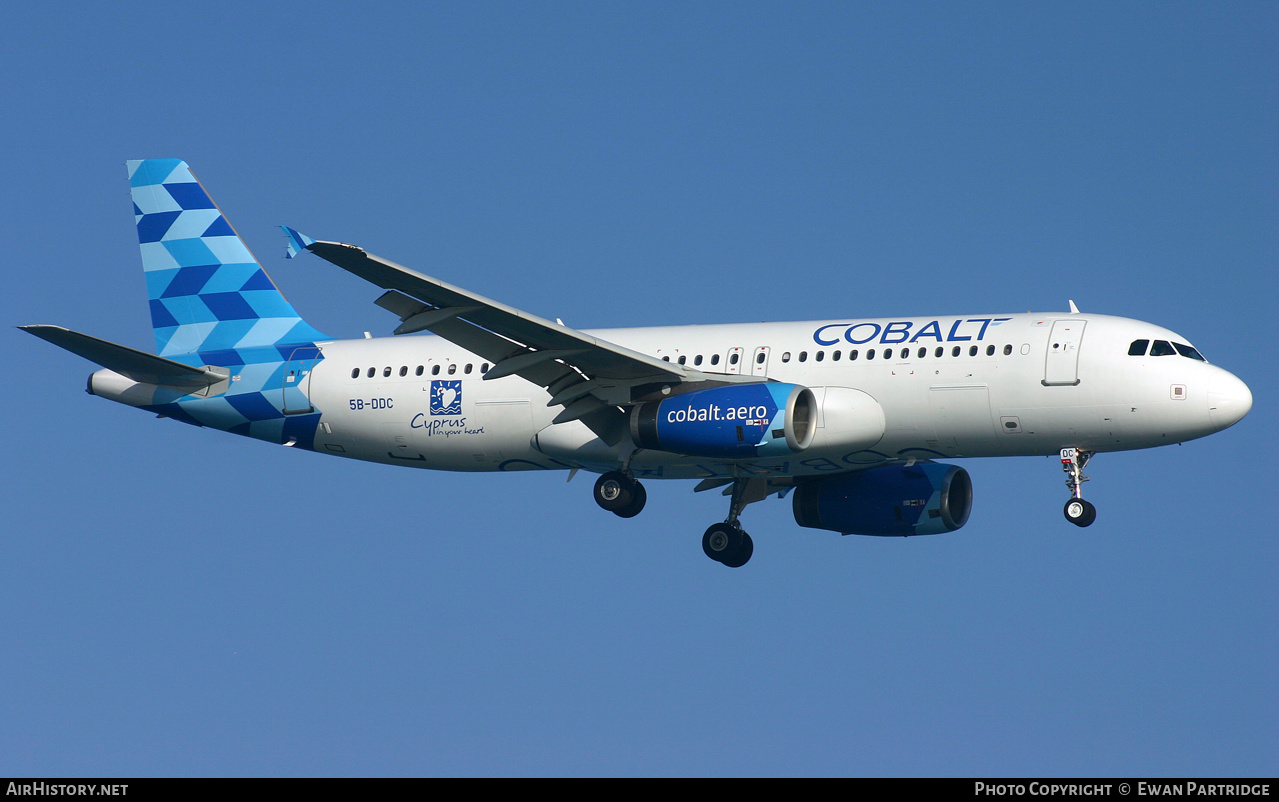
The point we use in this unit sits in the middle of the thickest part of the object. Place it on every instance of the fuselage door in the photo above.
(297, 380)
(1061, 364)
(759, 362)
(734, 361)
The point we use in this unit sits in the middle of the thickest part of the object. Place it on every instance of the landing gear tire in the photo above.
(744, 552)
(638, 498)
(615, 491)
(728, 544)
(1080, 512)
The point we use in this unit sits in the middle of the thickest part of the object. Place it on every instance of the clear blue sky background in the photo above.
(175, 601)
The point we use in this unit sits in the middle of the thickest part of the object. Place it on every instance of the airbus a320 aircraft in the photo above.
(847, 416)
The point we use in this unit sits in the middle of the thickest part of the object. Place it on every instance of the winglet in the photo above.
(298, 241)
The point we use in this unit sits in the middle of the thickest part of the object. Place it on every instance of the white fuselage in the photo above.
(971, 386)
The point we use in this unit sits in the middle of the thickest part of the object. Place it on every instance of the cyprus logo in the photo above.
(446, 397)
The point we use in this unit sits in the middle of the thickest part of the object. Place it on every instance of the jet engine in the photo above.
(735, 421)
(926, 498)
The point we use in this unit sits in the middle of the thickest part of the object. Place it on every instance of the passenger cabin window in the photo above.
(803, 356)
(355, 374)
(435, 370)
(452, 368)
(714, 359)
(1162, 348)
(697, 360)
(1008, 349)
(820, 356)
(1138, 347)
(786, 356)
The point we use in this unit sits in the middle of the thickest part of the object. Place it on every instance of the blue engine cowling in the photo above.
(736, 421)
(927, 498)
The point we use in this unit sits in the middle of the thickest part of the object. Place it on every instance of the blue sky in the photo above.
(180, 602)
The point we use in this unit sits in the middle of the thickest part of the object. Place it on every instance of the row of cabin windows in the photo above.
(734, 358)
(451, 370)
(836, 355)
(905, 353)
(1163, 348)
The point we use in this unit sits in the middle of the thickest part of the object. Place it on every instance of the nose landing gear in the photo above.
(1078, 511)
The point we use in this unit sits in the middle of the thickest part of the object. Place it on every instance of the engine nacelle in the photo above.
(850, 420)
(735, 421)
(927, 498)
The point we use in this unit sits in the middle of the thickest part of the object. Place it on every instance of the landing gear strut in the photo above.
(1077, 511)
(726, 542)
(620, 494)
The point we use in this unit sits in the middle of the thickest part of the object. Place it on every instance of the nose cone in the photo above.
(1229, 399)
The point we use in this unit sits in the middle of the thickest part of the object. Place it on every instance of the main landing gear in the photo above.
(620, 494)
(727, 543)
(1077, 511)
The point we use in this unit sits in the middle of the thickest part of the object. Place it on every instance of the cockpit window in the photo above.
(1138, 347)
(1186, 350)
(1162, 348)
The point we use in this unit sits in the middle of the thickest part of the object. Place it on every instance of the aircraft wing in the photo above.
(588, 376)
(445, 301)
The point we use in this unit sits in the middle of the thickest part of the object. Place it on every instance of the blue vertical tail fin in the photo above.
(207, 291)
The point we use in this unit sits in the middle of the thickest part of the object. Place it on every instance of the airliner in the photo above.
(848, 416)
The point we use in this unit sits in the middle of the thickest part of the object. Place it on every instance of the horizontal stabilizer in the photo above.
(137, 365)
